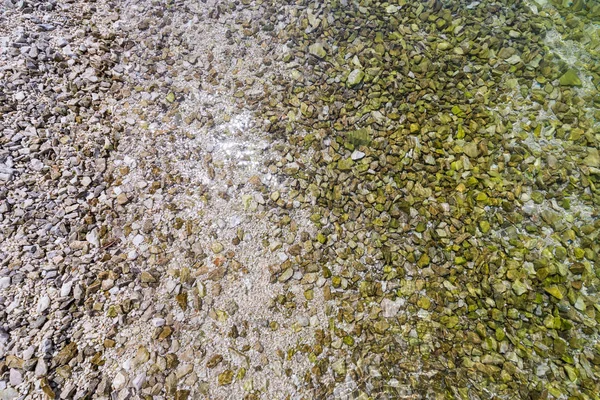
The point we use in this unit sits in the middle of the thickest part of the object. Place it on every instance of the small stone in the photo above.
(452, 322)
(137, 240)
(357, 155)
(41, 368)
(519, 288)
(4, 282)
(514, 59)
(8, 394)
(554, 291)
(66, 289)
(593, 158)
(85, 181)
(66, 354)
(15, 377)
(355, 77)
(286, 275)
(45, 385)
(146, 277)
(339, 367)
(43, 304)
(92, 237)
(217, 247)
(138, 381)
(444, 46)
(345, 164)
(423, 260)
(570, 78)
(165, 333)
(471, 150)
(316, 49)
(506, 52)
(214, 361)
(141, 356)
(122, 199)
(225, 378)
(424, 303)
(390, 308)
(484, 226)
(119, 381)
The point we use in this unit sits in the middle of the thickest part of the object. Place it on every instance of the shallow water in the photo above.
(339, 199)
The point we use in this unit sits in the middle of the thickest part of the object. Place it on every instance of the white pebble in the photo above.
(4, 282)
(357, 155)
(66, 289)
(43, 304)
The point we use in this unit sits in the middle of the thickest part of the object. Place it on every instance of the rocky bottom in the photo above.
(337, 199)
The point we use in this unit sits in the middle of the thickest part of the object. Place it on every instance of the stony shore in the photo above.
(341, 199)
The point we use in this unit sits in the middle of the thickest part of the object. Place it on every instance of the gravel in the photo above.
(263, 199)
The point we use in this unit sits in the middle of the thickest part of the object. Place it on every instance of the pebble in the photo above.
(15, 377)
(43, 304)
(65, 289)
(357, 155)
(122, 199)
(41, 368)
(137, 240)
(249, 203)
(119, 381)
(4, 282)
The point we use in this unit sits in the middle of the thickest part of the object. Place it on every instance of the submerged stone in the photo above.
(355, 77)
(570, 78)
(316, 49)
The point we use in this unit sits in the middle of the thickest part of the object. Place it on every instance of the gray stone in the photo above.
(15, 377)
(4, 282)
(357, 155)
(41, 368)
(355, 77)
(316, 49)
(43, 304)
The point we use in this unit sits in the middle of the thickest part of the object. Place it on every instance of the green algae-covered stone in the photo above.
(570, 78)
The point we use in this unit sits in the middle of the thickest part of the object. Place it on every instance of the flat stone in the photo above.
(554, 291)
(389, 308)
(355, 77)
(316, 49)
(345, 164)
(122, 199)
(519, 288)
(119, 382)
(593, 158)
(41, 368)
(15, 377)
(357, 155)
(4, 282)
(570, 78)
(43, 304)
(8, 394)
(471, 150)
(66, 354)
(66, 289)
